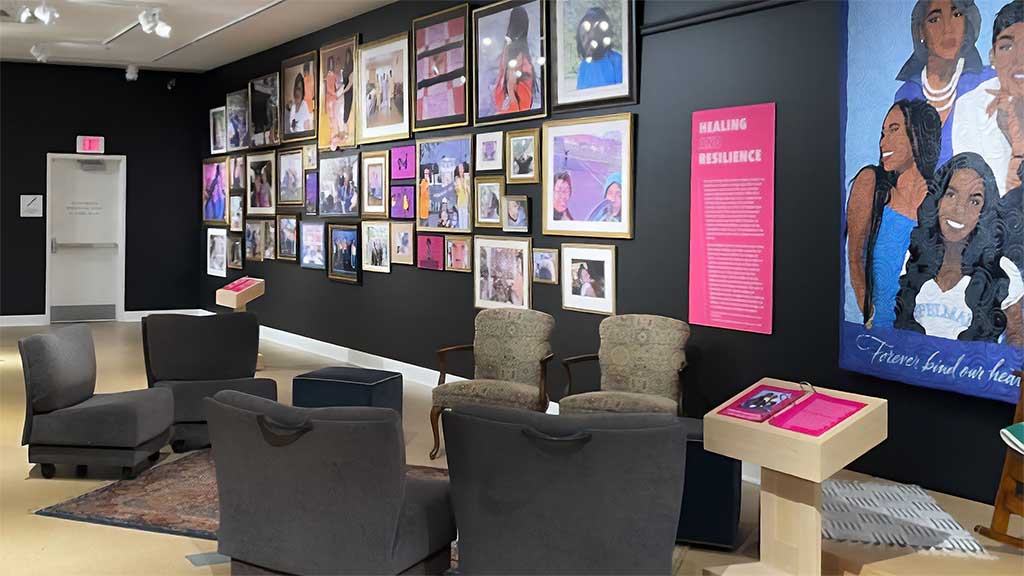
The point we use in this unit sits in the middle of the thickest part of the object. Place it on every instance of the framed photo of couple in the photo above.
(344, 253)
(440, 74)
(593, 55)
(501, 272)
(339, 89)
(260, 195)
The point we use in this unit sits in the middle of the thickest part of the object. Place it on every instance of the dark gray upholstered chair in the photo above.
(322, 491)
(198, 356)
(642, 360)
(511, 350)
(66, 422)
(584, 494)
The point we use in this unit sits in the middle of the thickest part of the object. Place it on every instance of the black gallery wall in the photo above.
(44, 107)
(783, 52)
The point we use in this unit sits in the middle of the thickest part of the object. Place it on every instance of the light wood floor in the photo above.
(31, 544)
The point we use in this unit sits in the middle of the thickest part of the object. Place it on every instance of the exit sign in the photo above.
(90, 145)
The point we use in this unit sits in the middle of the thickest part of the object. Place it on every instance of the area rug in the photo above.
(890, 514)
(178, 497)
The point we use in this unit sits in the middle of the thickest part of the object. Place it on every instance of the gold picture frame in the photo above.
(354, 276)
(608, 290)
(456, 238)
(383, 159)
(310, 95)
(282, 255)
(523, 245)
(511, 165)
(396, 130)
(423, 22)
(325, 139)
(555, 271)
(466, 225)
(290, 152)
(478, 214)
(224, 183)
(397, 229)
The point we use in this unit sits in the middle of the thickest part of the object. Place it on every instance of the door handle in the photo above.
(54, 245)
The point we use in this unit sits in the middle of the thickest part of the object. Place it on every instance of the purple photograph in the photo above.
(403, 162)
(589, 168)
(403, 204)
(312, 193)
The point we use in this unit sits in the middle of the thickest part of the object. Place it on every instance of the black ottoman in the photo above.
(344, 386)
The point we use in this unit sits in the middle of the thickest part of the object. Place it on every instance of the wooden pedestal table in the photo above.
(793, 466)
(237, 295)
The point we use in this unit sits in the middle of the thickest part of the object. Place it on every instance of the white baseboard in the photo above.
(138, 315)
(751, 473)
(27, 320)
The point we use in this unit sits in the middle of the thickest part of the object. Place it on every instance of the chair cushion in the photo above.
(60, 368)
(510, 343)
(184, 347)
(613, 401)
(642, 353)
(189, 394)
(121, 420)
(426, 524)
(490, 392)
(349, 375)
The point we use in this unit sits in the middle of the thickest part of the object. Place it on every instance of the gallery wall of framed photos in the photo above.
(537, 175)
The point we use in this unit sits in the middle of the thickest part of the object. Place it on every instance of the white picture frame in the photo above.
(515, 257)
(490, 151)
(217, 252)
(593, 289)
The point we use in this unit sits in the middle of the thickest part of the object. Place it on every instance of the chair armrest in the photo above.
(568, 362)
(682, 390)
(543, 400)
(441, 357)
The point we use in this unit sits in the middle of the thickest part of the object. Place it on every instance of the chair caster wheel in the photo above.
(81, 470)
(127, 473)
(48, 470)
(178, 446)
(154, 456)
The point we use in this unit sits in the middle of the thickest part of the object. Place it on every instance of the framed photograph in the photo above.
(236, 251)
(501, 272)
(490, 151)
(375, 185)
(403, 202)
(593, 56)
(377, 246)
(215, 191)
(458, 253)
(545, 265)
(312, 189)
(515, 214)
(403, 162)
(269, 239)
(217, 252)
(521, 147)
(444, 167)
(511, 81)
(261, 181)
(339, 184)
(254, 230)
(237, 218)
(402, 242)
(439, 73)
(236, 173)
(489, 192)
(298, 99)
(264, 112)
(290, 180)
(311, 245)
(218, 130)
(383, 87)
(287, 239)
(588, 177)
(309, 157)
(239, 130)
(338, 94)
(430, 251)
(588, 278)
(344, 253)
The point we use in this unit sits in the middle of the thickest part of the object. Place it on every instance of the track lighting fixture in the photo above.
(24, 15)
(150, 22)
(45, 13)
(39, 53)
(131, 73)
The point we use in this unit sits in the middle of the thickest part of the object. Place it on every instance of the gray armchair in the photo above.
(198, 356)
(66, 422)
(642, 361)
(585, 494)
(322, 491)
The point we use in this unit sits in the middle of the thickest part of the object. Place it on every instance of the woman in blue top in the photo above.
(945, 63)
(599, 64)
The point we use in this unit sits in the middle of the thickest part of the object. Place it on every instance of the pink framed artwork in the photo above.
(403, 162)
(430, 251)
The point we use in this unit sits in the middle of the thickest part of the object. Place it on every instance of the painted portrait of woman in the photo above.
(1011, 245)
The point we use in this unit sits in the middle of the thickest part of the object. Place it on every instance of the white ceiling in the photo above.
(106, 32)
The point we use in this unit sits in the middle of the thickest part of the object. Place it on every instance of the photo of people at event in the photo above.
(339, 185)
(445, 183)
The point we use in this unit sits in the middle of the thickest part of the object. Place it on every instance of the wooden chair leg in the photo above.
(435, 415)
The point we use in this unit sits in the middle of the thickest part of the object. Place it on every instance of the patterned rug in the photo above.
(178, 497)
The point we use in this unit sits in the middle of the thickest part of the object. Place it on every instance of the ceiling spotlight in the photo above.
(46, 14)
(39, 53)
(24, 15)
(163, 29)
(131, 73)
(148, 19)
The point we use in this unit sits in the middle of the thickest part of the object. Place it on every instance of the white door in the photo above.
(85, 243)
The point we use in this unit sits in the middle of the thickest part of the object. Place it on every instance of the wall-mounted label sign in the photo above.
(31, 205)
(90, 145)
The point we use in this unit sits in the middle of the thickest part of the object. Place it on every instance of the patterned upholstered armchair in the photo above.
(642, 361)
(511, 349)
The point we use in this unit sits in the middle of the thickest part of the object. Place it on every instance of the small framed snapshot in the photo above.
(384, 89)
(375, 185)
(217, 252)
(430, 251)
(588, 177)
(515, 214)
(489, 192)
(440, 74)
(254, 230)
(218, 130)
(290, 180)
(239, 130)
(311, 245)
(490, 148)
(403, 240)
(237, 218)
(545, 265)
(260, 195)
(264, 112)
(501, 272)
(344, 253)
(403, 162)
(588, 278)
(458, 253)
(312, 189)
(593, 60)
(511, 77)
(339, 184)
(236, 173)
(236, 251)
(215, 191)
(269, 239)
(403, 202)
(298, 99)
(521, 147)
(287, 236)
(444, 167)
(377, 246)
(309, 157)
(339, 90)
